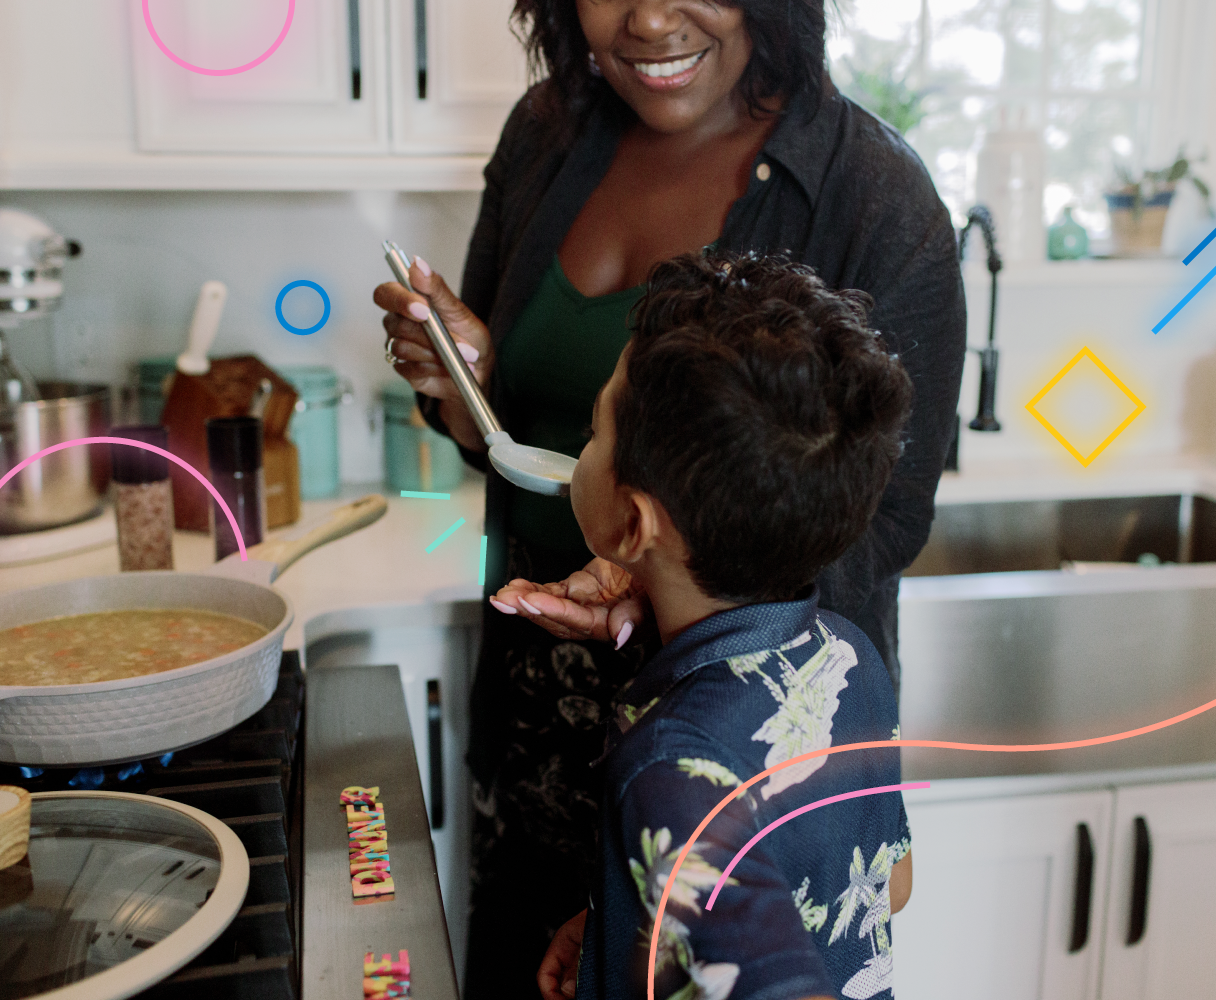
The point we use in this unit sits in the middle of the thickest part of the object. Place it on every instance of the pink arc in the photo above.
(875, 744)
(291, 13)
(240, 541)
(818, 803)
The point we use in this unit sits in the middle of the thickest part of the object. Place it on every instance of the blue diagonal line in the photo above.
(1182, 305)
(1199, 249)
(444, 537)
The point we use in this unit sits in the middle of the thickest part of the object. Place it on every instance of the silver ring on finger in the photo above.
(389, 356)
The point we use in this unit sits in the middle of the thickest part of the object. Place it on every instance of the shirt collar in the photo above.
(801, 141)
(747, 629)
(803, 138)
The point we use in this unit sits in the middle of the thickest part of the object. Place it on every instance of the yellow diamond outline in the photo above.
(1085, 352)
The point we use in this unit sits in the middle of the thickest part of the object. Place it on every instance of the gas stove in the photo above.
(251, 777)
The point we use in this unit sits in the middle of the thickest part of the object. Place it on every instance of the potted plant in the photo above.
(1138, 206)
(887, 96)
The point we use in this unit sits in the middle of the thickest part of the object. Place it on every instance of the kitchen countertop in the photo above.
(383, 575)
(365, 579)
(1067, 479)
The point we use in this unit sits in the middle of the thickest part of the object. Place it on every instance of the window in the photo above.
(1079, 71)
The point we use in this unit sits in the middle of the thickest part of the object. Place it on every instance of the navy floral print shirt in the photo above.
(806, 912)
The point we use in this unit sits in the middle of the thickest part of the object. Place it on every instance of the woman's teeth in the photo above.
(664, 69)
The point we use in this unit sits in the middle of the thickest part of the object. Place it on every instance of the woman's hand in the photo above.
(419, 364)
(597, 602)
(559, 968)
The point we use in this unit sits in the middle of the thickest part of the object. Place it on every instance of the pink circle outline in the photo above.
(291, 13)
(240, 541)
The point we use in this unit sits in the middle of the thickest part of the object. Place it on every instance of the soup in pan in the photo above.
(112, 645)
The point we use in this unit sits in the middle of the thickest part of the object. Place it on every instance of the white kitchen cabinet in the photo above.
(323, 90)
(1165, 847)
(1007, 898)
(88, 100)
(456, 74)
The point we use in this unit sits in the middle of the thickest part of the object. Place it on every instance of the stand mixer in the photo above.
(31, 262)
(69, 486)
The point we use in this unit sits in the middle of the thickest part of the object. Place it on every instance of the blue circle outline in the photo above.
(278, 307)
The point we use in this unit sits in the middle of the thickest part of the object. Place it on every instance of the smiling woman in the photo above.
(660, 127)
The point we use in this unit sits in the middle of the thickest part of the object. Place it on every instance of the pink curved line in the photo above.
(941, 744)
(240, 541)
(818, 803)
(291, 13)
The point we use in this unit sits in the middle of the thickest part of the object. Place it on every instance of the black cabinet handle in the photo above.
(1141, 864)
(420, 46)
(1083, 894)
(356, 52)
(434, 734)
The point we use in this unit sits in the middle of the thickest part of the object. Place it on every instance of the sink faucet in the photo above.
(985, 419)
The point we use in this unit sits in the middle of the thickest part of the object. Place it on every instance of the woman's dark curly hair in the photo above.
(764, 415)
(787, 50)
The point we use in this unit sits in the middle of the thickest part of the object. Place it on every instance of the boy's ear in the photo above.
(641, 528)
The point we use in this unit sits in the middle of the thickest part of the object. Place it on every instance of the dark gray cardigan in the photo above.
(845, 194)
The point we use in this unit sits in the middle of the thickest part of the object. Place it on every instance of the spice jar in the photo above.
(234, 453)
(143, 499)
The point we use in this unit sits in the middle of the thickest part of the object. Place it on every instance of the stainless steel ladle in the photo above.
(534, 469)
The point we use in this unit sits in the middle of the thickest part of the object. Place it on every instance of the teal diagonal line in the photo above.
(444, 537)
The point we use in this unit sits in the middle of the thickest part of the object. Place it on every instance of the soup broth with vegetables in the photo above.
(112, 645)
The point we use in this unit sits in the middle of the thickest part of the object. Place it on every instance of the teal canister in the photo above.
(314, 427)
(415, 456)
(151, 374)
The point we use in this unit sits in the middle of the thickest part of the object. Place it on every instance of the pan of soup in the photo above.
(132, 665)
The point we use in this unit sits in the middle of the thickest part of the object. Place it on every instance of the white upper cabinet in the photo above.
(1163, 893)
(323, 90)
(406, 95)
(457, 70)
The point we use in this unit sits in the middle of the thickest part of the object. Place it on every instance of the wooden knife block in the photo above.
(228, 390)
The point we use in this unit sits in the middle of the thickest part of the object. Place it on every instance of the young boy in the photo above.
(740, 446)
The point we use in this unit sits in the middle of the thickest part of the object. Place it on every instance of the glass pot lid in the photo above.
(117, 892)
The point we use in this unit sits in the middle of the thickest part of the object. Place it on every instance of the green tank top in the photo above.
(553, 361)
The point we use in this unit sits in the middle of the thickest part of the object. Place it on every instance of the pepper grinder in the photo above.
(234, 453)
(143, 499)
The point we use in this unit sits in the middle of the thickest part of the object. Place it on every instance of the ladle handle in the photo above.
(445, 347)
(340, 523)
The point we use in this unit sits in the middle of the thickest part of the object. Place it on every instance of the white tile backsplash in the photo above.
(132, 293)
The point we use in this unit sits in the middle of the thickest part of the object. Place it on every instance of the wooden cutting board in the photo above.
(227, 390)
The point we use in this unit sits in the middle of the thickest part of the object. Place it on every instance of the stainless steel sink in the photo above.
(1000, 645)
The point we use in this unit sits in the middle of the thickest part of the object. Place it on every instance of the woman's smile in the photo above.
(669, 73)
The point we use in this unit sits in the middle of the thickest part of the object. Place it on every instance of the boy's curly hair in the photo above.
(763, 413)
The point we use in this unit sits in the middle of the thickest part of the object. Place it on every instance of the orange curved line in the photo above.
(940, 744)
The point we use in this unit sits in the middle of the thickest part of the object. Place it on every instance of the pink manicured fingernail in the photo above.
(623, 635)
(423, 266)
(506, 609)
(528, 606)
(419, 311)
(468, 352)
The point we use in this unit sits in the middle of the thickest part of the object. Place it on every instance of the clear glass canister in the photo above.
(314, 427)
(143, 499)
(415, 456)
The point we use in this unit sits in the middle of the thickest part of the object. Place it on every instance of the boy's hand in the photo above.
(597, 602)
(559, 968)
